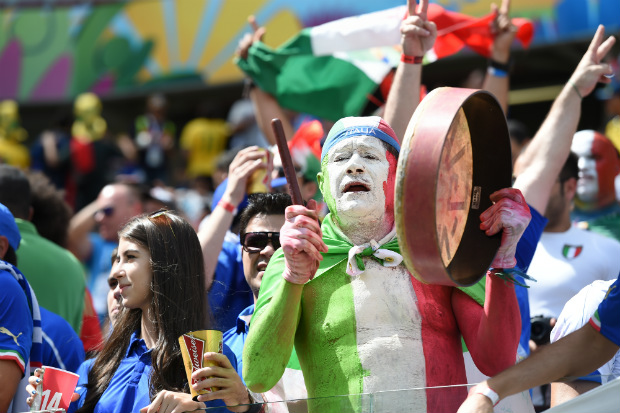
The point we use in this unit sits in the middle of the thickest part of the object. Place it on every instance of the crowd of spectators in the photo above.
(111, 247)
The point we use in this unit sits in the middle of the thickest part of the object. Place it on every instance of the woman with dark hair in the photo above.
(160, 273)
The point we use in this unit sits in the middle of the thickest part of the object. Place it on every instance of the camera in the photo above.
(541, 329)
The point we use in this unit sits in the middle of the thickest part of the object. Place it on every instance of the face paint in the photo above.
(389, 185)
(354, 180)
(598, 166)
(323, 177)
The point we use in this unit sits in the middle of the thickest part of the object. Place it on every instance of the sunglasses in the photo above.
(107, 211)
(254, 242)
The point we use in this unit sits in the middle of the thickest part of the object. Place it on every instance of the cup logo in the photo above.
(195, 348)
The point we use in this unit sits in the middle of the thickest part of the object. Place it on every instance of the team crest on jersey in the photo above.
(571, 251)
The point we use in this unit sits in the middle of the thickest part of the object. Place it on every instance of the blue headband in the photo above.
(355, 131)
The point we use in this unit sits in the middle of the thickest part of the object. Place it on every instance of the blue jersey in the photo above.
(16, 323)
(606, 319)
(62, 348)
(128, 390)
(229, 293)
(236, 336)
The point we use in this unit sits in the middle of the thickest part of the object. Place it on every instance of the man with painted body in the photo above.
(596, 206)
(360, 322)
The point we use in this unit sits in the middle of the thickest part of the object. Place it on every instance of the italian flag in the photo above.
(330, 70)
(571, 251)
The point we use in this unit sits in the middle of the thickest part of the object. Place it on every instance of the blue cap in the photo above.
(8, 227)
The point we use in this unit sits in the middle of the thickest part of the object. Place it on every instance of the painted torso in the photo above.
(371, 333)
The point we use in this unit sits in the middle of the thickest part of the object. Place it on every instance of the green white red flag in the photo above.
(330, 70)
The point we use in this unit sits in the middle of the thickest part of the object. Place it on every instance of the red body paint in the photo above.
(389, 185)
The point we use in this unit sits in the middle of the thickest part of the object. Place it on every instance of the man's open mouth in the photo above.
(356, 187)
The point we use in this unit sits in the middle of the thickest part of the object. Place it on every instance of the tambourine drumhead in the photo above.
(455, 154)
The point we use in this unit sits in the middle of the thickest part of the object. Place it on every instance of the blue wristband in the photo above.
(493, 71)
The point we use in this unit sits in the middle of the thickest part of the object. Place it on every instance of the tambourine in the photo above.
(455, 154)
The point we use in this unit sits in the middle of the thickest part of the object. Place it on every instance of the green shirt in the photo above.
(54, 274)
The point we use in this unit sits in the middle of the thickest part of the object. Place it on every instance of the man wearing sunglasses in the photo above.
(93, 235)
(259, 231)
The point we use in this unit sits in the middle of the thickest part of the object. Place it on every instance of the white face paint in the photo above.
(587, 184)
(357, 169)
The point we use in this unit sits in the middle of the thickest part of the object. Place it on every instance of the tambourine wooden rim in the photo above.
(430, 133)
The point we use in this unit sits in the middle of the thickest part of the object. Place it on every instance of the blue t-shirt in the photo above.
(229, 293)
(606, 319)
(525, 252)
(98, 269)
(128, 390)
(16, 323)
(62, 348)
(236, 336)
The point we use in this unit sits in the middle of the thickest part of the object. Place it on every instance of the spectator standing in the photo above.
(94, 156)
(155, 138)
(55, 275)
(13, 151)
(225, 282)
(20, 321)
(567, 258)
(115, 206)
(244, 128)
(596, 206)
(203, 140)
(51, 153)
(259, 228)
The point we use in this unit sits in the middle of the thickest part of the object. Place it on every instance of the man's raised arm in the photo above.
(418, 36)
(538, 167)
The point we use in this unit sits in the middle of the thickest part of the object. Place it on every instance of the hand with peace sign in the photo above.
(248, 39)
(504, 32)
(418, 34)
(590, 69)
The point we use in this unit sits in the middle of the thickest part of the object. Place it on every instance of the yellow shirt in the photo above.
(14, 153)
(204, 140)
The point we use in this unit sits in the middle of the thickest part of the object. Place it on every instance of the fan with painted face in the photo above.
(358, 167)
(599, 163)
(596, 206)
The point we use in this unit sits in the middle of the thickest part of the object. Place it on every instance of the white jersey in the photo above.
(576, 314)
(564, 263)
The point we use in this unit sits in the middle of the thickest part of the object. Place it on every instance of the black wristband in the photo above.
(505, 67)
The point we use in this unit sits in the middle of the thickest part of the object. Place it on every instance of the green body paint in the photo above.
(323, 179)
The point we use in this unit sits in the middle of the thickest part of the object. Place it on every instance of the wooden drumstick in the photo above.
(287, 162)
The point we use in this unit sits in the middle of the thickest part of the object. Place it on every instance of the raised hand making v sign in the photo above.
(417, 37)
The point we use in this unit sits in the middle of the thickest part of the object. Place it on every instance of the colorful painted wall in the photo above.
(52, 53)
